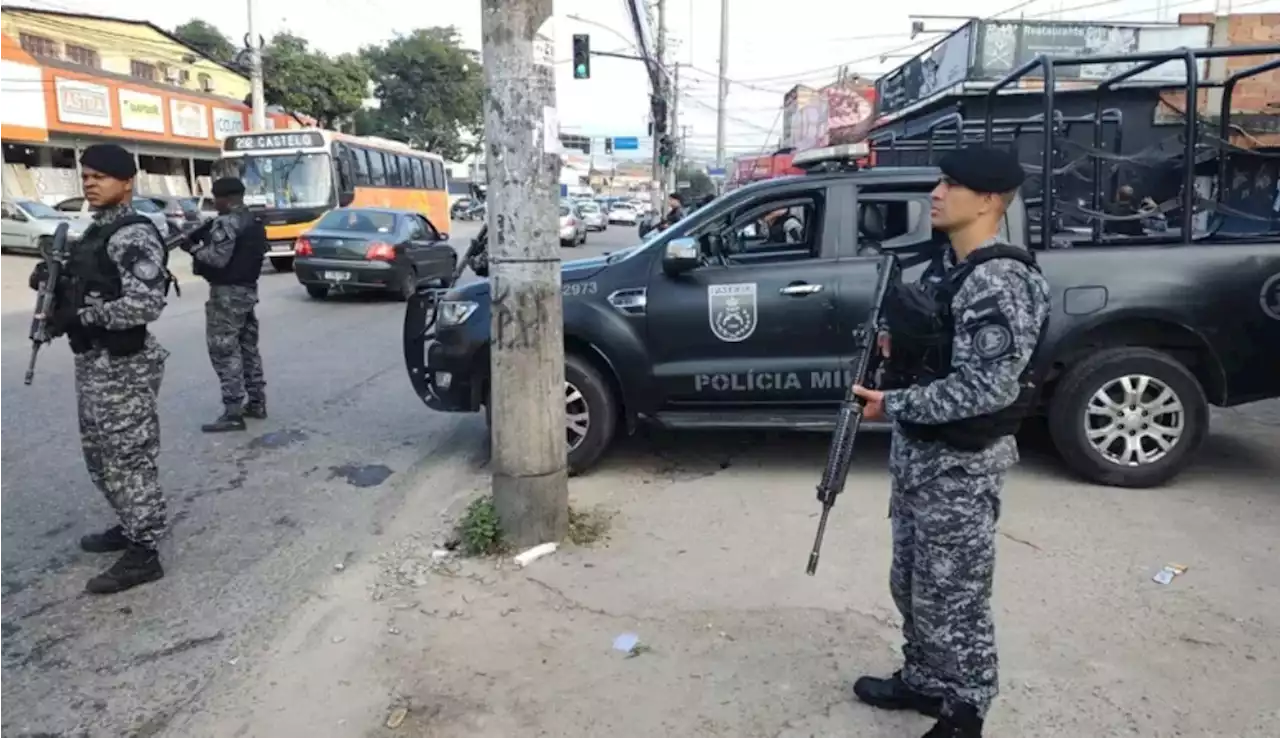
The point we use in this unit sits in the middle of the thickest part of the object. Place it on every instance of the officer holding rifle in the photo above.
(114, 284)
(955, 407)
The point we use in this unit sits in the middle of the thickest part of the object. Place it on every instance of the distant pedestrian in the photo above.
(952, 445)
(229, 257)
(116, 285)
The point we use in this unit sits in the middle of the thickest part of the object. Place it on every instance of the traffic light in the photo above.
(608, 146)
(666, 151)
(581, 56)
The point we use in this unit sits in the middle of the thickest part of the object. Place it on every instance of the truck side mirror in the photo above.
(680, 255)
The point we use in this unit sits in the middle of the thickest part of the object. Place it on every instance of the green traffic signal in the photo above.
(580, 71)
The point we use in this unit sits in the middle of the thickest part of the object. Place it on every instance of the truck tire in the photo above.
(1128, 417)
(588, 398)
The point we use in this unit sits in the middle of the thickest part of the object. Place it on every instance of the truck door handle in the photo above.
(799, 289)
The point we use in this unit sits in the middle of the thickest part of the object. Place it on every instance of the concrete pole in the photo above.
(659, 177)
(674, 127)
(530, 478)
(258, 118)
(723, 91)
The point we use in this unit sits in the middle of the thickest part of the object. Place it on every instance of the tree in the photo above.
(700, 185)
(332, 89)
(207, 39)
(430, 92)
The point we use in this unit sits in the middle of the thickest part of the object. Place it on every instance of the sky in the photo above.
(772, 45)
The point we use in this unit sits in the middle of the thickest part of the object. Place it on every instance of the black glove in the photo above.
(64, 319)
(38, 275)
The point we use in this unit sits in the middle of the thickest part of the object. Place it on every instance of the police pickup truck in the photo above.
(725, 321)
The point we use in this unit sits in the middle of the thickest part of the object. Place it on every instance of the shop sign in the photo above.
(83, 102)
(140, 111)
(1005, 46)
(227, 123)
(189, 119)
(943, 65)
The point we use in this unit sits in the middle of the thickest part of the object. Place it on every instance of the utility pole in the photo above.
(258, 118)
(674, 128)
(529, 457)
(659, 178)
(723, 92)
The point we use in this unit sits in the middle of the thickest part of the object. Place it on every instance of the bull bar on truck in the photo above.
(992, 131)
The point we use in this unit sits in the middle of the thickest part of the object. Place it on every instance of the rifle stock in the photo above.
(849, 419)
(46, 298)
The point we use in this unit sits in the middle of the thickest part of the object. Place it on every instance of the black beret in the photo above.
(227, 187)
(984, 170)
(111, 160)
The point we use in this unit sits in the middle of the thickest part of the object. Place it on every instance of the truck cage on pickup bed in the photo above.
(1106, 124)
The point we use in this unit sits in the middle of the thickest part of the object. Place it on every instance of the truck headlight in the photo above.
(454, 312)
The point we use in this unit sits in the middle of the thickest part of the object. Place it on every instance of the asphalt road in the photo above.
(257, 516)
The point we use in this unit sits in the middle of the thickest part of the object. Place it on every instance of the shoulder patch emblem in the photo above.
(146, 270)
(992, 341)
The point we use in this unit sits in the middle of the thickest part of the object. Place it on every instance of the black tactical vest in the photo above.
(92, 273)
(922, 324)
(245, 265)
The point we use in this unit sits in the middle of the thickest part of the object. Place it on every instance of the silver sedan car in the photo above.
(594, 216)
(29, 225)
(573, 229)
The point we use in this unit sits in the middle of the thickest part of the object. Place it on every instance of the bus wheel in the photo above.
(282, 263)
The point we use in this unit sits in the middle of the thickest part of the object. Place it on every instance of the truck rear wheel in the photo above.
(591, 413)
(1128, 417)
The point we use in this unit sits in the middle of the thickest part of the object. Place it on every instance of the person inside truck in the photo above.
(1125, 205)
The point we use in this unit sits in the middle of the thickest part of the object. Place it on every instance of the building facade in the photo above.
(72, 80)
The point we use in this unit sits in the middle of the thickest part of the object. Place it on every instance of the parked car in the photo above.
(594, 216)
(79, 207)
(28, 225)
(372, 249)
(573, 228)
(623, 212)
(181, 213)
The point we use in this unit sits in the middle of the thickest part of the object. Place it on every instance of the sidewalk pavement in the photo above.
(705, 564)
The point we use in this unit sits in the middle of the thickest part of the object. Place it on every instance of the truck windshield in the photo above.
(282, 180)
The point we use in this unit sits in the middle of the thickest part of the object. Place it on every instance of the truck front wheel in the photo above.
(1128, 417)
(591, 413)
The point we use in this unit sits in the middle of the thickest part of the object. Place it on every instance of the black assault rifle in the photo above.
(850, 417)
(54, 255)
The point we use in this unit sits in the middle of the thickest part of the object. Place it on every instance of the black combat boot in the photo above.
(108, 541)
(232, 419)
(256, 409)
(138, 565)
(894, 694)
(963, 722)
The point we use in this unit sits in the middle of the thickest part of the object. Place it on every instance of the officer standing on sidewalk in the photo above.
(952, 445)
(115, 284)
(229, 257)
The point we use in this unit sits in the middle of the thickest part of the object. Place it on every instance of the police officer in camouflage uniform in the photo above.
(115, 284)
(946, 478)
(229, 257)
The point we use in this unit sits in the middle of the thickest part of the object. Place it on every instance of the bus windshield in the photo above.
(283, 180)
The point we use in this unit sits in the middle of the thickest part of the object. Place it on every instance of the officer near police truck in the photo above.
(114, 284)
(954, 421)
(228, 255)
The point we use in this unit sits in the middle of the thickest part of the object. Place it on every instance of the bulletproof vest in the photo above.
(92, 273)
(245, 265)
(922, 323)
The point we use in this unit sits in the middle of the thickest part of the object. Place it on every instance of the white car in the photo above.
(593, 215)
(573, 229)
(29, 225)
(78, 207)
(622, 212)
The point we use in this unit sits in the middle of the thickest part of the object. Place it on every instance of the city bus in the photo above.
(292, 177)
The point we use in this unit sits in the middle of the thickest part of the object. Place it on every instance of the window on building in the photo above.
(38, 45)
(143, 70)
(205, 81)
(84, 56)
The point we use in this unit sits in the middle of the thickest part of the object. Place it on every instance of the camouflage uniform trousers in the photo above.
(231, 331)
(943, 564)
(116, 398)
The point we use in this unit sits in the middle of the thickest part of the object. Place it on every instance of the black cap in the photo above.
(110, 159)
(984, 170)
(677, 197)
(227, 187)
